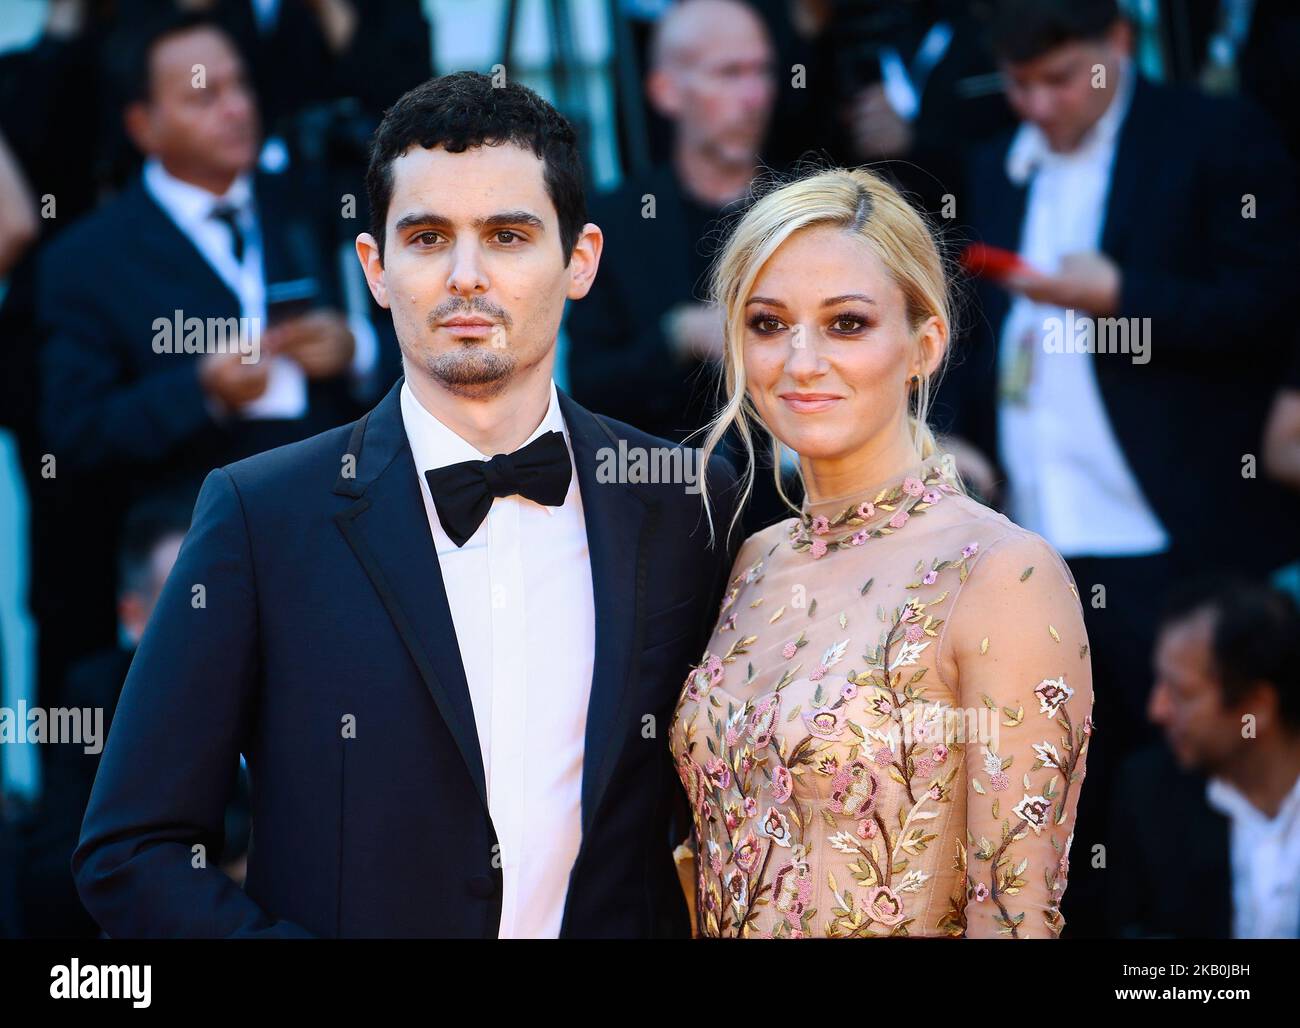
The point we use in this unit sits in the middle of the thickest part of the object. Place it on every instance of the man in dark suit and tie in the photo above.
(1120, 378)
(130, 409)
(198, 238)
(446, 640)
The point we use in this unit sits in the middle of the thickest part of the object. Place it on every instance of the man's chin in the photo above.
(470, 373)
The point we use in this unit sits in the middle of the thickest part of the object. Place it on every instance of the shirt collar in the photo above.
(1226, 798)
(189, 204)
(1029, 148)
(434, 445)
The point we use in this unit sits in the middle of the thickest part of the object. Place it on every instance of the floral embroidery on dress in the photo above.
(835, 786)
(911, 497)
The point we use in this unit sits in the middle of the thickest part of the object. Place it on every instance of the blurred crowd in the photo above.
(1080, 161)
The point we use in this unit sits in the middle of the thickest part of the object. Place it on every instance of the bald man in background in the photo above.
(644, 342)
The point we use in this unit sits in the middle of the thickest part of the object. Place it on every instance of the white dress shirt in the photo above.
(190, 207)
(1068, 477)
(520, 594)
(1265, 857)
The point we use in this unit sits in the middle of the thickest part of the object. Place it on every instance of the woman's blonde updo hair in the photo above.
(858, 201)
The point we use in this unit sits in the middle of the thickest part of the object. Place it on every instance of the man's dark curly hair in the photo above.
(464, 110)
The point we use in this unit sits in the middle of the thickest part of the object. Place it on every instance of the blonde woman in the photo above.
(888, 731)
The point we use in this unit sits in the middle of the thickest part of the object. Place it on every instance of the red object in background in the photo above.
(992, 262)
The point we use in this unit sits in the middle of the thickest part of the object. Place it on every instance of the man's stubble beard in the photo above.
(472, 371)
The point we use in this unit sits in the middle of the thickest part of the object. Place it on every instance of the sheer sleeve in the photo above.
(1025, 679)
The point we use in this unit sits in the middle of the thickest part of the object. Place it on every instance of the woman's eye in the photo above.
(765, 324)
(847, 323)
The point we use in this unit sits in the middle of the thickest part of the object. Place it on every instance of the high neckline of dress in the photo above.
(881, 508)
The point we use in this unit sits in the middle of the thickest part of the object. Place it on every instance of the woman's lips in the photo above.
(809, 403)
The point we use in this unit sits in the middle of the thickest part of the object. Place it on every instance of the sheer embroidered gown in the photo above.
(888, 732)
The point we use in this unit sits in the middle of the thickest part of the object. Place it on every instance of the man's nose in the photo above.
(467, 275)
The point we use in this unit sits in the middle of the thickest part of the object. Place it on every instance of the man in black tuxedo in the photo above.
(450, 675)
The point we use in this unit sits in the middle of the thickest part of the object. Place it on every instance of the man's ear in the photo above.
(372, 265)
(585, 260)
(665, 97)
(135, 120)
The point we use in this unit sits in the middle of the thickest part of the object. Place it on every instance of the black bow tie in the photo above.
(463, 493)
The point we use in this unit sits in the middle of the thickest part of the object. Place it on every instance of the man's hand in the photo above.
(320, 342)
(226, 379)
(695, 331)
(1088, 282)
(877, 130)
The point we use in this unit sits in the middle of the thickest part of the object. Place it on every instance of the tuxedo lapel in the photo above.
(157, 233)
(620, 533)
(388, 530)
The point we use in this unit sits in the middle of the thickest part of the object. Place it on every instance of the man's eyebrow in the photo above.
(830, 301)
(504, 219)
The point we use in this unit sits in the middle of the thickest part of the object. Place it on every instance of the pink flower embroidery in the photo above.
(913, 486)
(859, 537)
(774, 826)
(969, 550)
(789, 650)
(854, 789)
(1034, 810)
(866, 829)
(930, 577)
(866, 510)
(821, 525)
(884, 905)
(998, 781)
(981, 892)
(782, 784)
(849, 691)
(751, 806)
(748, 853)
(791, 890)
(940, 754)
(824, 723)
(1051, 693)
(818, 548)
(914, 633)
(762, 719)
(899, 519)
(818, 673)
(719, 772)
(930, 496)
